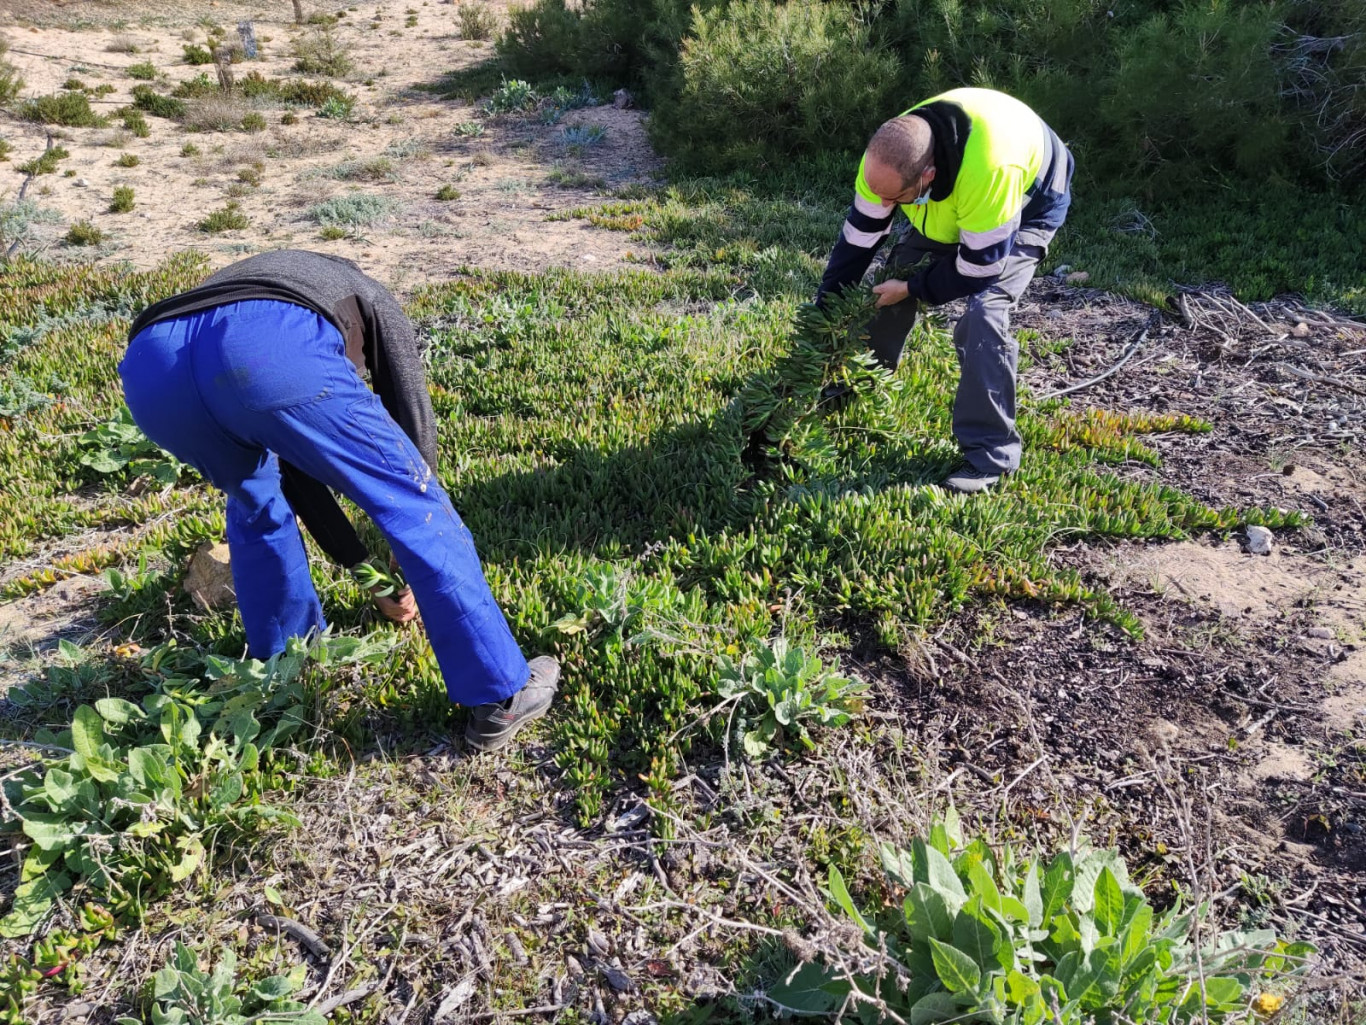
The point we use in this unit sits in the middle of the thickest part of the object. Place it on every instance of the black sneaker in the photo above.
(967, 480)
(492, 725)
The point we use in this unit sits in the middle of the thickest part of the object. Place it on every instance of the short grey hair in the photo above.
(904, 144)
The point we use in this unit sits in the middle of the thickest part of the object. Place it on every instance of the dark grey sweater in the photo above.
(362, 310)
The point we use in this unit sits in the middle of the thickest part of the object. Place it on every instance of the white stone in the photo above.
(1259, 540)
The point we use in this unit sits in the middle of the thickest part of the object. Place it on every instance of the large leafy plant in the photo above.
(780, 690)
(120, 446)
(183, 993)
(144, 787)
(983, 936)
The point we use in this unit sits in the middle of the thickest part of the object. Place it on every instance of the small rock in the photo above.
(1259, 540)
(1061, 270)
(77, 1010)
(616, 978)
(209, 580)
(1321, 633)
(640, 1018)
(455, 996)
(1077, 278)
(629, 819)
(622, 98)
(81, 183)
(1300, 330)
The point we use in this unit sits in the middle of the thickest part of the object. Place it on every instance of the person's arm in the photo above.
(988, 221)
(866, 225)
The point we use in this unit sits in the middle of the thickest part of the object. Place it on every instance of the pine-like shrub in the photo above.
(761, 83)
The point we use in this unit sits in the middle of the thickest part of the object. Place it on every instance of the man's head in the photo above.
(899, 163)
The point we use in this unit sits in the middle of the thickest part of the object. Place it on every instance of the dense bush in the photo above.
(1147, 92)
(761, 83)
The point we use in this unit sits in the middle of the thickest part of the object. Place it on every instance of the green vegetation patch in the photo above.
(357, 210)
(70, 109)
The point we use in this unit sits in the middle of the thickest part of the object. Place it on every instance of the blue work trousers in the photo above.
(234, 389)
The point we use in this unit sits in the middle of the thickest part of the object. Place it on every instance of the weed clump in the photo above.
(11, 82)
(74, 84)
(83, 233)
(476, 20)
(228, 218)
(447, 193)
(332, 233)
(196, 54)
(189, 150)
(148, 99)
(338, 108)
(127, 160)
(200, 85)
(143, 70)
(354, 211)
(134, 121)
(321, 53)
(122, 201)
(253, 121)
(45, 162)
(71, 110)
(121, 44)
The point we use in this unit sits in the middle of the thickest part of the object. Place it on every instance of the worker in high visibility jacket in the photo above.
(985, 184)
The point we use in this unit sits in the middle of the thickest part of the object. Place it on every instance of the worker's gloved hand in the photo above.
(399, 607)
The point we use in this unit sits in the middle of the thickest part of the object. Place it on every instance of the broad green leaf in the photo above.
(927, 914)
(841, 894)
(934, 868)
(898, 864)
(810, 989)
(277, 987)
(192, 853)
(165, 983)
(87, 732)
(934, 1008)
(118, 711)
(979, 939)
(956, 970)
(1020, 987)
(1109, 902)
(1223, 990)
(38, 861)
(755, 742)
(50, 832)
(272, 896)
(59, 788)
(1057, 886)
(32, 902)
(1136, 934)
(983, 886)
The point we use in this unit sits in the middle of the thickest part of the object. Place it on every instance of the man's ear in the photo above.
(930, 171)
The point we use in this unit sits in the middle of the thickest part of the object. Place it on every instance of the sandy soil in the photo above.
(503, 174)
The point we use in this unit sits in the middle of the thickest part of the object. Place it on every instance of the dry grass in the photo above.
(218, 112)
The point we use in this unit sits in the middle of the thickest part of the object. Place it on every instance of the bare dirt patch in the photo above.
(400, 144)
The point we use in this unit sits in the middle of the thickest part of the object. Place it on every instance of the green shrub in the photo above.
(45, 162)
(354, 211)
(148, 99)
(475, 19)
(75, 84)
(144, 70)
(338, 108)
(134, 121)
(228, 218)
(5, 149)
(104, 89)
(195, 54)
(189, 150)
(69, 109)
(11, 82)
(83, 233)
(332, 233)
(763, 83)
(447, 193)
(289, 118)
(127, 160)
(1195, 89)
(321, 53)
(200, 85)
(990, 936)
(253, 121)
(122, 201)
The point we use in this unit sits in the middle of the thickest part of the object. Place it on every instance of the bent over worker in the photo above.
(985, 184)
(259, 366)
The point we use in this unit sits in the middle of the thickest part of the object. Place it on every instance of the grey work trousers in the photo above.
(984, 406)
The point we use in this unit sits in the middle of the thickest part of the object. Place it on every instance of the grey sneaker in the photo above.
(492, 725)
(968, 480)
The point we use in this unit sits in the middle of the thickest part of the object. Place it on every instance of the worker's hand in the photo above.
(399, 607)
(890, 292)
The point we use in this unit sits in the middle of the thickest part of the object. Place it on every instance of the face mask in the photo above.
(921, 199)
